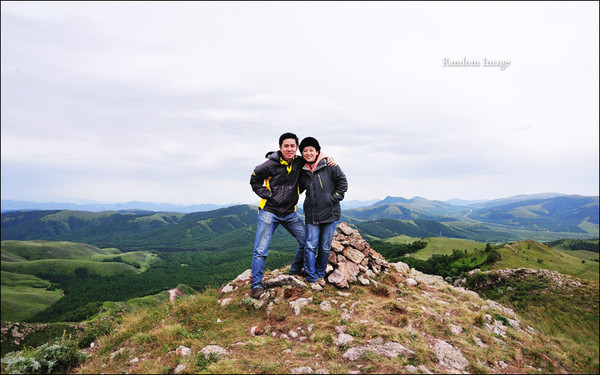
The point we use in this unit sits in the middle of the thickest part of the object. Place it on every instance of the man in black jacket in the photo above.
(276, 182)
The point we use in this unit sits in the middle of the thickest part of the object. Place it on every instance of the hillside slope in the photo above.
(558, 214)
(386, 327)
(128, 231)
(536, 255)
(541, 219)
(371, 317)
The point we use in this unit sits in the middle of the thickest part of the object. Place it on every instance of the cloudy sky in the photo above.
(179, 101)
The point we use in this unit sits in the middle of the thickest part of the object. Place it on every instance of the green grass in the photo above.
(17, 279)
(200, 320)
(585, 255)
(25, 295)
(566, 312)
(495, 233)
(143, 258)
(36, 250)
(589, 227)
(591, 245)
(67, 267)
(151, 300)
(21, 302)
(402, 239)
(12, 258)
(531, 254)
(444, 246)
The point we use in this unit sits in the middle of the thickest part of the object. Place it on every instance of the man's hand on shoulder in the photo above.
(331, 162)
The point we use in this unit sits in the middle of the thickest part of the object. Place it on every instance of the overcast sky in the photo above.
(179, 101)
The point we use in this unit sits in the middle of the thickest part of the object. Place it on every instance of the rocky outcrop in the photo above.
(394, 319)
(377, 346)
(17, 332)
(351, 259)
(427, 313)
(491, 278)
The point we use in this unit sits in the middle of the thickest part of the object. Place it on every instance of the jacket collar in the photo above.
(278, 157)
(318, 164)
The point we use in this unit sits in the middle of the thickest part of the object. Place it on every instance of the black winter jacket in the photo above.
(325, 188)
(276, 182)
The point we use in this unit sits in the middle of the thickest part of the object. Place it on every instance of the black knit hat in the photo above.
(309, 141)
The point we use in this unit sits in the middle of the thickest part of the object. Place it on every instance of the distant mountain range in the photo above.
(539, 213)
(12, 205)
(19, 205)
(537, 217)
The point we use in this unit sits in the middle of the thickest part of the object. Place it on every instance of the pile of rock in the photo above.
(351, 259)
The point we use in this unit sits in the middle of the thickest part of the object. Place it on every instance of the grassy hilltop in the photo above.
(142, 335)
(24, 293)
(104, 278)
(386, 327)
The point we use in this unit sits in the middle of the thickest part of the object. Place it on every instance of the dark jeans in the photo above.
(267, 223)
(317, 237)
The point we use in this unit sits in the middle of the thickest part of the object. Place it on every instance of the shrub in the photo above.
(54, 357)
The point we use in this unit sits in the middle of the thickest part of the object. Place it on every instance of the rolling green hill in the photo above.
(574, 214)
(450, 256)
(440, 245)
(571, 244)
(25, 295)
(544, 219)
(105, 288)
(206, 248)
(407, 209)
(128, 231)
(68, 267)
(458, 332)
(38, 250)
(551, 212)
(108, 275)
(31, 271)
(536, 255)
(98, 317)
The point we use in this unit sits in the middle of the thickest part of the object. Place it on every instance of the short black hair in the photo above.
(287, 136)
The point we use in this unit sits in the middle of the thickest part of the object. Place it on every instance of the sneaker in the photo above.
(299, 276)
(321, 282)
(257, 292)
(316, 287)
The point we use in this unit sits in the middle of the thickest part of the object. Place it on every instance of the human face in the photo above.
(288, 149)
(309, 153)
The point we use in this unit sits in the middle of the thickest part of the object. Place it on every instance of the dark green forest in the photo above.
(206, 269)
(198, 270)
(207, 249)
(452, 265)
(394, 252)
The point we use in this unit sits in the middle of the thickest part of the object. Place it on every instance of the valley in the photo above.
(66, 267)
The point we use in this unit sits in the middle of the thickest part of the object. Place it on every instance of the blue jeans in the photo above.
(317, 237)
(267, 223)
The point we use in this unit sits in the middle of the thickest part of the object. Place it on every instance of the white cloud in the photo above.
(179, 101)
